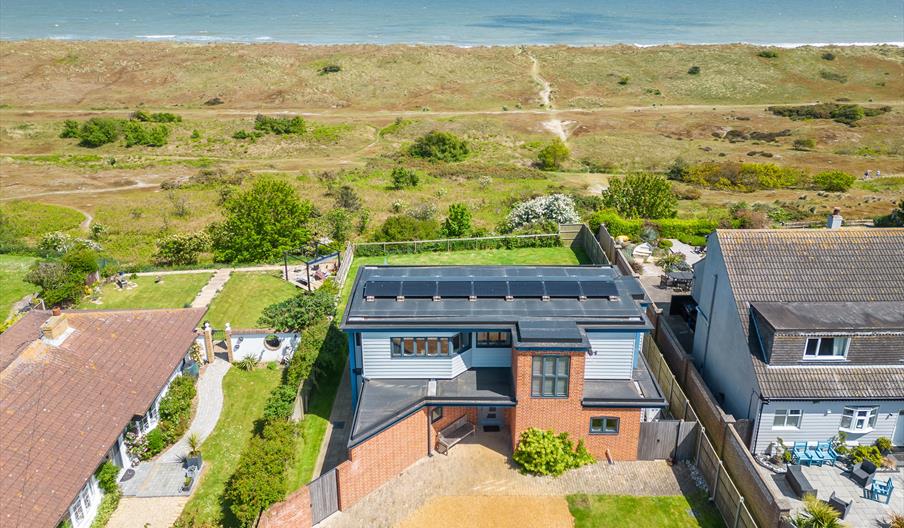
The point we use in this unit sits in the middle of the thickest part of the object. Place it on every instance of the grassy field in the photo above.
(616, 511)
(244, 297)
(244, 396)
(30, 220)
(12, 286)
(174, 291)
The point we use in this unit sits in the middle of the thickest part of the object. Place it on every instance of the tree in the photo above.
(339, 224)
(440, 146)
(179, 249)
(458, 222)
(299, 312)
(404, 227)
(892, 219)
(261, 223)
(551, 156)
(402, 178)
(641, 195)
(834, 181)
(99, 131)
(347, 198)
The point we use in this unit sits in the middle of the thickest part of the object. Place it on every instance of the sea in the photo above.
(461, 22)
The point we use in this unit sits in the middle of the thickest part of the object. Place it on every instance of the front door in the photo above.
(899, 430)
(488, 416)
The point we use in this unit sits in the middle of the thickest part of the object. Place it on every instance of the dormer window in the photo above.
(827, 347)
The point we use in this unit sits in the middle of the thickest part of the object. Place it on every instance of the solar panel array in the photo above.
(489, 289)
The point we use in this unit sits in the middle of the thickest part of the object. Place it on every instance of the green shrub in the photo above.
(299, 312)
(642, 195)
(99, 131)
(159, 117)
(744, 177)
(694, 70)
(767, 54)
(247, 363)
(106, 476)
(665, 243)
(179, 249)
(892, 219)
(818, 515)
(175, 409)
(547, 453)
(553, 155)
(108, 505)
(155, 443)
(260, 477)
(458, 221)
(834, 181)
(615, 224)
(829, 56)
(861, 453)
(440, 146)
(244, 134)
(330, 68)
(842, 113)
(403, 178)
(137, 133)
(883, 444)
(70, 129)
(280, 403)
(833, 76)
(404, 227)
(281, 125)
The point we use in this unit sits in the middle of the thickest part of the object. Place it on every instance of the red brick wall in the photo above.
(382, 458)
(450, 414)
(568, 415)
(294, 512)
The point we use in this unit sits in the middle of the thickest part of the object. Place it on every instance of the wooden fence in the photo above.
(615, 255)
(579, 236)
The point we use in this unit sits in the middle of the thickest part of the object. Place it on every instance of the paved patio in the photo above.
(865, 513)
(480, 466)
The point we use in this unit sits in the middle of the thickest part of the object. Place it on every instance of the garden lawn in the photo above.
(313, 428)
(12, 284)
(31, 220)
(174, 291)
(245, 394)
(617, 511)
(245, 296)
(499, 257)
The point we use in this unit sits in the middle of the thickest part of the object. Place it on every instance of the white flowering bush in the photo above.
(555, 207)
(58, 242)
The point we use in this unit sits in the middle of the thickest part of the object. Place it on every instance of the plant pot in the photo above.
(272, 342)
(195, 461)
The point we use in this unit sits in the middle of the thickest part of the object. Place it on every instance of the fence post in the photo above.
(700, 435)
(686, 403)
(737, 516)
(677, 440)
(716, 482)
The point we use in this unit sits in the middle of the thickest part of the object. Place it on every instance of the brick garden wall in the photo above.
(450, 414)
(568, 415)
(294, 512)
(381, 458)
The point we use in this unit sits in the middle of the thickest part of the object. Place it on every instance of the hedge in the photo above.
(453, 244)
(175, 409)
(692, 231)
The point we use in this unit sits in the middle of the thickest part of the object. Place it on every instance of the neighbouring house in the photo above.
(509, 347)
(802, 332)
(71, 386)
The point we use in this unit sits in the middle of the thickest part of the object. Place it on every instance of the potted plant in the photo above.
(194, 458)
(271, 341)
(187, 483)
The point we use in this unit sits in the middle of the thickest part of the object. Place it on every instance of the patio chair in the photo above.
(876, 490)
(799, 454)
(827, 452)
(862, 472)
(815, 456)
(839, 505)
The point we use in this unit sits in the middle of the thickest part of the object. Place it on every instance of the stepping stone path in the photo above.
(213, 286)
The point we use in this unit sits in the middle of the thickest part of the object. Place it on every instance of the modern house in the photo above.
(802, 332)
(71, 386)
(507, 347)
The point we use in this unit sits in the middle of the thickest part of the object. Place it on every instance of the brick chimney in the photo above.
(835, 220)
(55, 327)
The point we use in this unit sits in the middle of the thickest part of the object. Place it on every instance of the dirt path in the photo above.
(562, 129)
(89, 218)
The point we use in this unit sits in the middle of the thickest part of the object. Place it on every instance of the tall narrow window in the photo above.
(396, 346)
(549, 376)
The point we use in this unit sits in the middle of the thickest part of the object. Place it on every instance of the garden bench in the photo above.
(453, 434)
(799, 482)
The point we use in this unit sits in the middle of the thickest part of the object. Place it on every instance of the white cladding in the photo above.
(612, 355)
(377, 360)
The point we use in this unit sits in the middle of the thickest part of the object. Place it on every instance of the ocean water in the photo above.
(460, 22)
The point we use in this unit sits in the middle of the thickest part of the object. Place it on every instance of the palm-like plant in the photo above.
(818, 515)
(194, 444)
(896, 521)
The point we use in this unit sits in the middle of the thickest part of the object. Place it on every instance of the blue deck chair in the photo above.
(799, 454)
(815, 456)
(826, 451)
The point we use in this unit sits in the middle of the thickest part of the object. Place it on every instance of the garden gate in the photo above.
(324, 492)
(675, 439)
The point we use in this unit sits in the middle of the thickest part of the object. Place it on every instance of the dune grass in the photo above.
(30, 220)
(12, 284)
(244, 298)
(244, 396)
(173, 291)
(615, 511)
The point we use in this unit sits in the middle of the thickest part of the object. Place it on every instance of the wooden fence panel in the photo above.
(324, 496)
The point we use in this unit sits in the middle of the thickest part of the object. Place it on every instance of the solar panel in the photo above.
(415, 289)
(562, 289)
(453, 289)
(382, 289)
(523, 289)
(490, 289)
(596, 289)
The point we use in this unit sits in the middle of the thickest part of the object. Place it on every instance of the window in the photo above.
(76, 510)
(603, 425)
(550, 376)
(429, 346)
(859, 419)
(826, 347)
(787, 419)
(436, 414)
(494, 339)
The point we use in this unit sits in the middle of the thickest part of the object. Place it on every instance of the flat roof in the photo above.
(639, 391)
(441, 296)
(833, 316)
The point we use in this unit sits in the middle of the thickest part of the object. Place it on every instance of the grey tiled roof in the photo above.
(813, 266)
